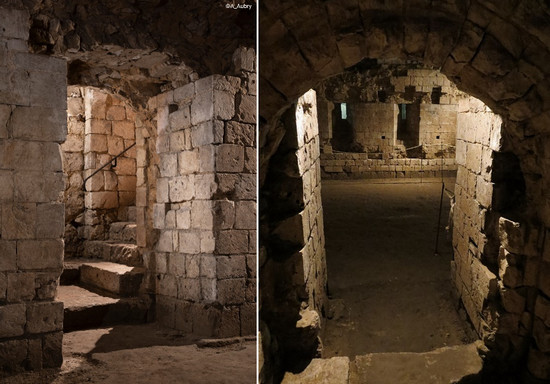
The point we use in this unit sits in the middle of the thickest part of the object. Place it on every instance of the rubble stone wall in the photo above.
(33, 102)
(205, 207)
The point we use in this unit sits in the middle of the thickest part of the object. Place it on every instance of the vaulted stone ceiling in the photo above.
(140, 47)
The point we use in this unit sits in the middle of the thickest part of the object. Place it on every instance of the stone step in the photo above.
(118, 279)
(114, 251)
(334, 370)
(123, 231)
(84, 309)
(461, 363)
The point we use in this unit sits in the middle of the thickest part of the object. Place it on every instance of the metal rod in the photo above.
(104, 165)
(436, 253)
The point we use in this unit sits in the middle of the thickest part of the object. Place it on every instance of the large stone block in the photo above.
(40, 254)
(229, 158)
(180, 119)
(181, 188)
(101, 200)
(189, 242)
(39, 123)
(240, 133)
(125, 129)
(8, 256)
(231, 267)
(21, 287)
(45, 317)
(39, 187)
(6, 186)
(202, 214)
(48, 89)
(188, 162)
(231, 291)
(18, 221)
(13, 319)
(246, 108)
(232, 242)
(245, 215)
(52, 353)
(50, 221)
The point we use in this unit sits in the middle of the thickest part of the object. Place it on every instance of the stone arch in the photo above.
(494, 51)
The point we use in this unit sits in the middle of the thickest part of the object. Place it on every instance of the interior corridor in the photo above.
(389, 292)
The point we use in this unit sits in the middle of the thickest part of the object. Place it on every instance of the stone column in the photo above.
(33, 103)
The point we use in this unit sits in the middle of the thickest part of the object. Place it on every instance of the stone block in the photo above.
(166, 241)
(16, 22)
(48, 89)
(125, 129)
(240, 134)
(50, 222)
(250, 160)
(115, 112)
(208, 266)
(208, 242)
(188, 162)
(31, 186)
(511, 235)
(228, 267)
(167, 285)
(202, 134)
(224, 105)
(183, 322)
(115, 145)
(18, 221)
(8, 255)
(101, 200)
(163, 190)
(180, 119)
(224, 214)
(189, 289)
(45, 317)
(244, 59)
(13, 319)
(206, 158)
(192, 266)
(232, 242)
(246, 108)
(75, 106)
(52, 353)
(126, 166)
(231, 291)
(205, 186)
(202, 214)
(181, 188)
(168, 165)
(185, 94)
(189, 242)
(509, 272)
(245, 215)
(176, 264)
(13, 354)
(95, 143)
(230, 324)
(127, 183)
(6, 186)
(183, 218)
(40, 254)
(21, 287)
(202, 106)
(178, 141)
(229, 158)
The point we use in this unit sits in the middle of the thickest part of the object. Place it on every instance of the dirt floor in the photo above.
(389, 291)
(145, 354)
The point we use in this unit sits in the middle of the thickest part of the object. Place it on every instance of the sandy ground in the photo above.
(389, 291)
(145, 354)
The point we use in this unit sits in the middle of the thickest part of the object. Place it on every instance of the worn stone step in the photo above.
(334, 370)
(112, 250)
(85, 309)
(460, 363)
(117, 279)
(123, 231)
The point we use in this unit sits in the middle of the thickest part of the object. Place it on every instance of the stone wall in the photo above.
(473, 268)
(205, 212)
(358, 165)
(292, 259)
(73, 169)
(33, 99)
(109, 130)
(374, 126)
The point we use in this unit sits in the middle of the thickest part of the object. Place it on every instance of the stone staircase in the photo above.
(448, 365)
(102, 288)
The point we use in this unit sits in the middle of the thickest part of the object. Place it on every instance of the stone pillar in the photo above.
(33, 99)
(206, 207)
